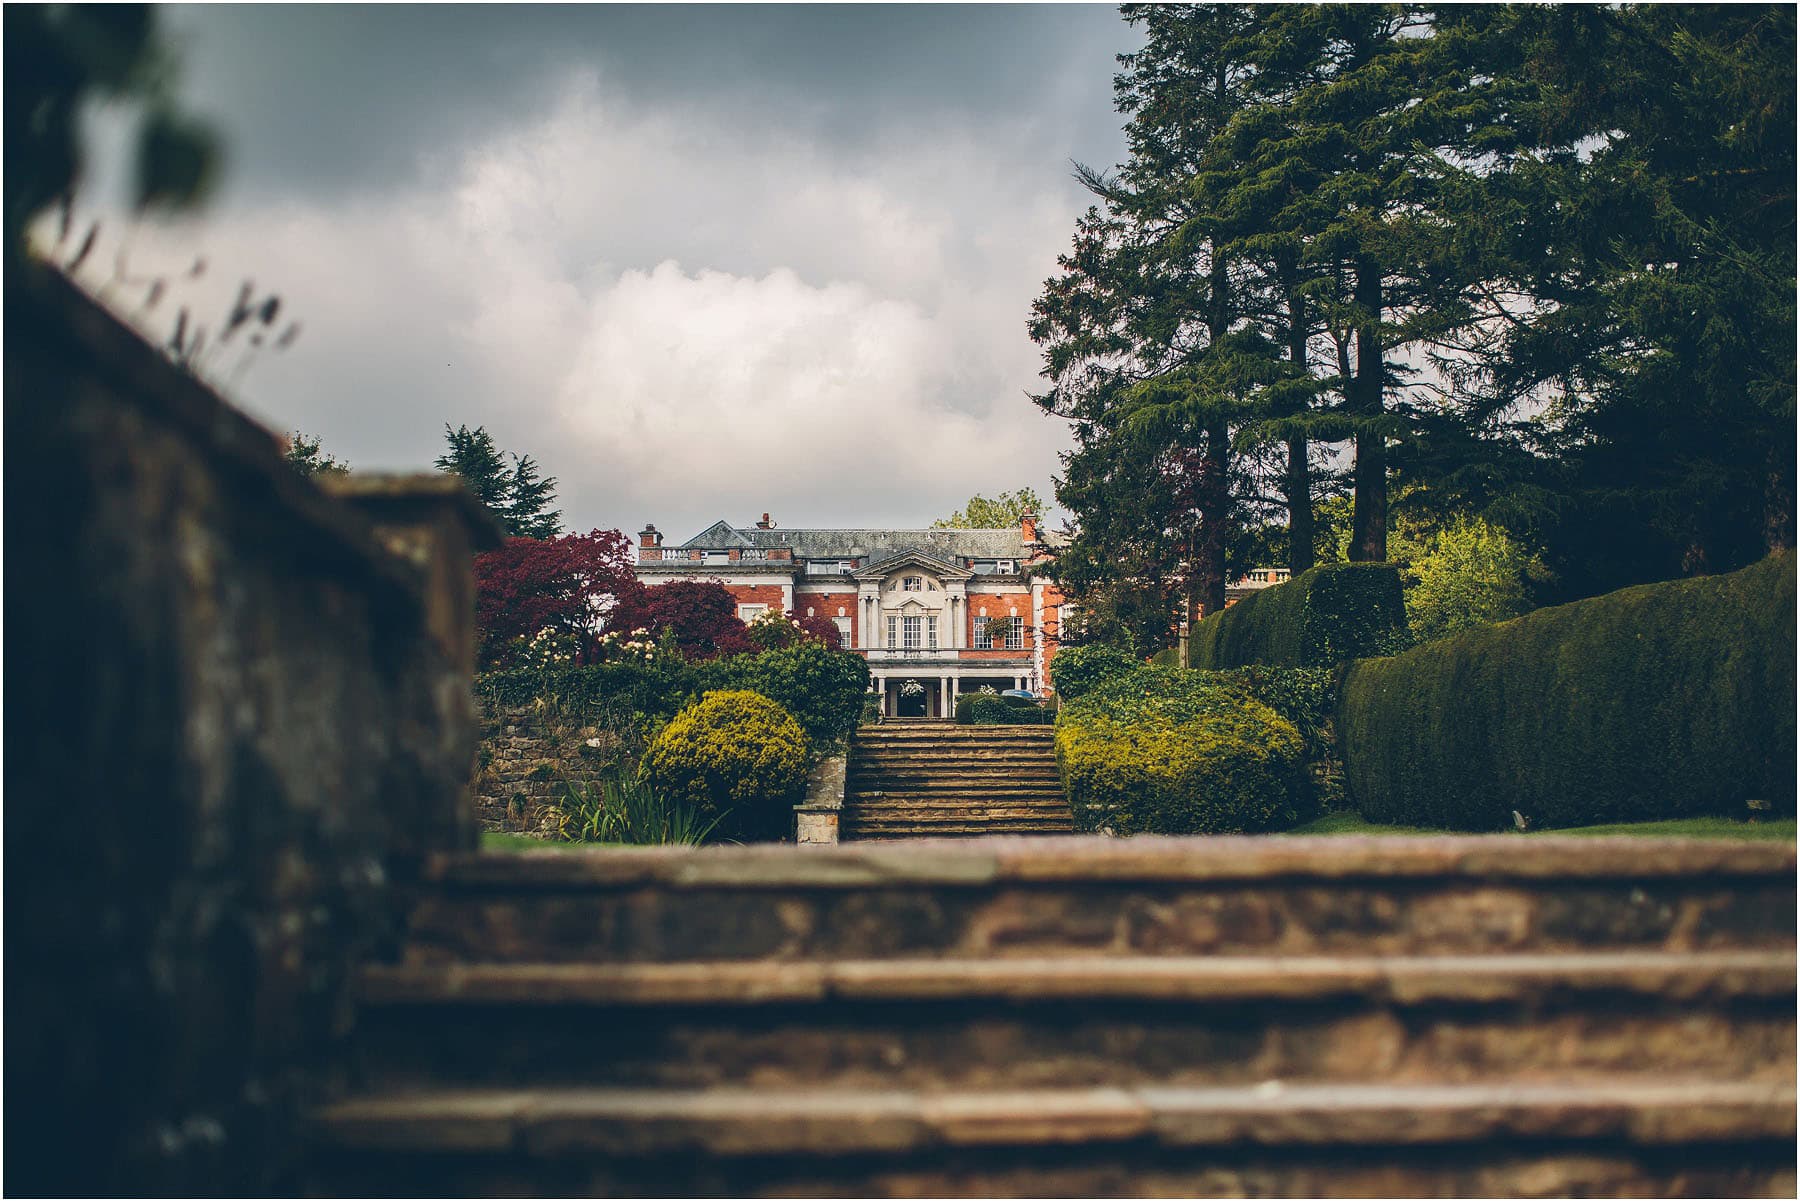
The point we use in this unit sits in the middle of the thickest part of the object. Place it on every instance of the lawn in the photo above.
(1341, 823)
(501, 841)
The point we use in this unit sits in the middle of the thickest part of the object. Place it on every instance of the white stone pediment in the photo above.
(916, 561)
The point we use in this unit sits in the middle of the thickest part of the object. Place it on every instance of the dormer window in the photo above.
(913, 584)
(718, 557)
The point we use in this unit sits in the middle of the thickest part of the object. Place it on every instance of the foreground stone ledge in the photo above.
(744, 1122)
(1401, 979)
(1061, 859)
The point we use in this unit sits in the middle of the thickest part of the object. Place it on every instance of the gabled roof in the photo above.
(876, 545)
(720, 534)
(913, 556)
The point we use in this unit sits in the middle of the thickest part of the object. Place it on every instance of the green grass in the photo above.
(1693, 828)
(500, 841)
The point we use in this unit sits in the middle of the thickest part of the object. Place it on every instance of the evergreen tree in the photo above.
(307, 456)
(516, 495)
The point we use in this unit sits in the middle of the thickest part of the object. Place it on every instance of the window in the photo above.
(909, 627)
(1015, 634)
(981, 633)
(893, 638)
(931, 631)
(912, 584)
(749, 613)
(843, 625)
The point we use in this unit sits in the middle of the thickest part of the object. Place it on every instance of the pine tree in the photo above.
(517, 497)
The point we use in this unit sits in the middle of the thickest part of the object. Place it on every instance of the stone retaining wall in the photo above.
(238, 712)
(528, 757)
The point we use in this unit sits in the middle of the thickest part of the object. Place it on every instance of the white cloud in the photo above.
(678, 318)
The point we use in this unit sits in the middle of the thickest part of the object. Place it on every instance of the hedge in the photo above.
(989, 709)
(1163, 751)
(1318, 619)
(823, 689)
(1659, 701)
(733, 754)
(1075, 670)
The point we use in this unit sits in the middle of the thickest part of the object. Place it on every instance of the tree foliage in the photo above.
(569, 586)
(1002, 512)
(701, 613)
(1465, 574)
(517, 495)
(57, 57)
(1533, 264)
(308, 457)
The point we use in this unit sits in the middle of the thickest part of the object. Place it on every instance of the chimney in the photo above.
(649, 536)
(1028, 527)
(765, 524)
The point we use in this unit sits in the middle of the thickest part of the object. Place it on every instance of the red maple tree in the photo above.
(570, 585)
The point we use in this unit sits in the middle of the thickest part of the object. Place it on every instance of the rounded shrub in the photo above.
(1076, 670)
(1171, 752)
(733, 754)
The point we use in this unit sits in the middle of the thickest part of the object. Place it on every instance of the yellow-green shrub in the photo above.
(1173, 752)
(734, 754)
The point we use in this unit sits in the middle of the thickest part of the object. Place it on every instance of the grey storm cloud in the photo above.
(698, 260)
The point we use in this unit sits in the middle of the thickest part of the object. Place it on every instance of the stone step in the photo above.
(985, 828)
(974, 757)
(1675, 1135)
(881, 805)
(950, 792)
(1095, 896)
(1038, 1023)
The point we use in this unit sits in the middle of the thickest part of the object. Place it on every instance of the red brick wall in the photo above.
(826, 605)
(757, 594)
(999, 605)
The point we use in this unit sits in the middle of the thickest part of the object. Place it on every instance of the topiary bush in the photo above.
(736, 756)
(1658, 701)
(1075, 670)
(1162, 751)
(991, 709)
(1318, 619)
(823, 689)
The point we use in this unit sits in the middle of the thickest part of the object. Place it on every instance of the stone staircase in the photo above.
(933, 778)
(1501, 1015)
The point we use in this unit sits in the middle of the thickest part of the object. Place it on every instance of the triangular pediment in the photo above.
(720, 534)
(912, 557)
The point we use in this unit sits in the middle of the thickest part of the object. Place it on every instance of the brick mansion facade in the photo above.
(936, 612)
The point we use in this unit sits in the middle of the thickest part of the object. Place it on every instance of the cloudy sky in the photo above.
(699, 261)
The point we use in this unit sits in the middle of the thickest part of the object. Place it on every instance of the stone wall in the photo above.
(236, 720)
(528, 755)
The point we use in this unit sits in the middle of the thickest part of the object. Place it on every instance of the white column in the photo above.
(944, 697)
(881, 686)
(787, 597)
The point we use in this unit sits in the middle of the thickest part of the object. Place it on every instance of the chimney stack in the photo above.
(765, 524)
(649, 536)
(1028, 528)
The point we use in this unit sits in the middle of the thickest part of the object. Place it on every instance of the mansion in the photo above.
(937, 613)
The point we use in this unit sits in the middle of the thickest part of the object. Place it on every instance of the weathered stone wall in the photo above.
(233, 723)
(528, 755)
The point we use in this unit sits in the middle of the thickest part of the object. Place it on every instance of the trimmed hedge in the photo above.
(988, 709)
(1658, 701)
(1075, 670)
(733, 753)
(1318, 619)
(821, 688)
(1161, 751)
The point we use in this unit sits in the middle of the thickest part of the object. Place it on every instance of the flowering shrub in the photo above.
(637, 647)
(912, 688)
(548, 648)
(736, 757)
(771, 631)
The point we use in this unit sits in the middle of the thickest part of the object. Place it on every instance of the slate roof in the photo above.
(872, 546)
